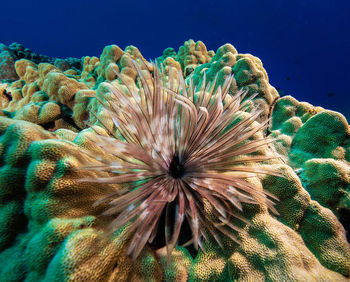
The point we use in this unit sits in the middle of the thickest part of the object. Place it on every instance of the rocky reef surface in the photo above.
(51, 230)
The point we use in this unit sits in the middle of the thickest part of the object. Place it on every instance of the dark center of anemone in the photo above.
(176, 169)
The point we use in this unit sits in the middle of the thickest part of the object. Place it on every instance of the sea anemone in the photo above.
(182, 155)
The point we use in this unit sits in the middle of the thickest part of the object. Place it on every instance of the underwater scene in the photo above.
(175, 141)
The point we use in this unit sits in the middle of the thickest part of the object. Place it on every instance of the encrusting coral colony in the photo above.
(188, 168)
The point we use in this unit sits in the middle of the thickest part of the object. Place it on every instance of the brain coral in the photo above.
(51, 230)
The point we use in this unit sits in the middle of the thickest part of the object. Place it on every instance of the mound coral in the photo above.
(52, 229)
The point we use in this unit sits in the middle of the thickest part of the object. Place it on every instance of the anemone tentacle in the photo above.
(183, 145)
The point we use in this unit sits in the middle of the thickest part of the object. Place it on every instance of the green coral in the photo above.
(321, 136)
(315, 142)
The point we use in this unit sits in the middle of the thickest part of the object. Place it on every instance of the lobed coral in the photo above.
(16, 51)
(50, 228)
(321, 160)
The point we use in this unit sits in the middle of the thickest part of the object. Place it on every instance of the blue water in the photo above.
(304, 45)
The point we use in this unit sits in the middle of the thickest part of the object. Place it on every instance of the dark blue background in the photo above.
(304, 45)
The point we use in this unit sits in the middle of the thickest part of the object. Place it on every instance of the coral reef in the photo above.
(316, 143)
(15, 51)
(7, 70)
(51, 230)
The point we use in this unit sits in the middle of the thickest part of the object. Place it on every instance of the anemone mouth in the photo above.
(179, 144)
(176, 168)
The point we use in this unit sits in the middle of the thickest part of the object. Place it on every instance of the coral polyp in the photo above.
(180, 145)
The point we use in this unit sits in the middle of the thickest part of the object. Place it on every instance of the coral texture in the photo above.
(51, 230)
(17, 51)
(7, 70)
